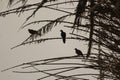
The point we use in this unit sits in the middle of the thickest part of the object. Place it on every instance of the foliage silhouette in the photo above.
(100, 19)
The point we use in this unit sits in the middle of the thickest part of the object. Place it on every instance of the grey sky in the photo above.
(10, 36)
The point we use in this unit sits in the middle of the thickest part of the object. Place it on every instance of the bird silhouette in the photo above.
(79, 52)
(63, 35)
(31, 31)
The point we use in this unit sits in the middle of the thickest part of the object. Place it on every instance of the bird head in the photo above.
(61, 30)
(29, 29)
(75, 48)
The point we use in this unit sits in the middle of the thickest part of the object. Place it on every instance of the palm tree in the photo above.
(100, 19)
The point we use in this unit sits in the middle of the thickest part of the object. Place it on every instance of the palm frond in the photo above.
(34, 12)
(38, 7)
(80, 9)
(45, 29)
(39, 21)
(43, 60)
(29, 7)
(10, 3)
(91, 30)
(43, 40)
(57, 74)
(103, 30)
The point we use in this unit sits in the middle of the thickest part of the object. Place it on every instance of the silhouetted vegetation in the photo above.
(99, 19)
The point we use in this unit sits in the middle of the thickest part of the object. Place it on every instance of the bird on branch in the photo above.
(79, 52)
(32, 32)
(63, 35)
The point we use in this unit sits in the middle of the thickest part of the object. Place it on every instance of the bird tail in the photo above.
(64, 41)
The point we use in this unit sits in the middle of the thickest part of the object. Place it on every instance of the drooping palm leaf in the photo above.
(48, 27)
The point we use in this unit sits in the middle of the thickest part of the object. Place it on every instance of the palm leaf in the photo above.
(16, 2)
(45, 29)
(10, 2)
(46, 39)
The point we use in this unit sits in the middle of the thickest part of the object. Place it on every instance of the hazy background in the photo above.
(10, 36)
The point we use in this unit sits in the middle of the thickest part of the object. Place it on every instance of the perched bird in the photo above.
(32, 31)
(63, 35)
(79, 52)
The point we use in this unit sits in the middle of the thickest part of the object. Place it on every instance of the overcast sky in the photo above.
(10, 36)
